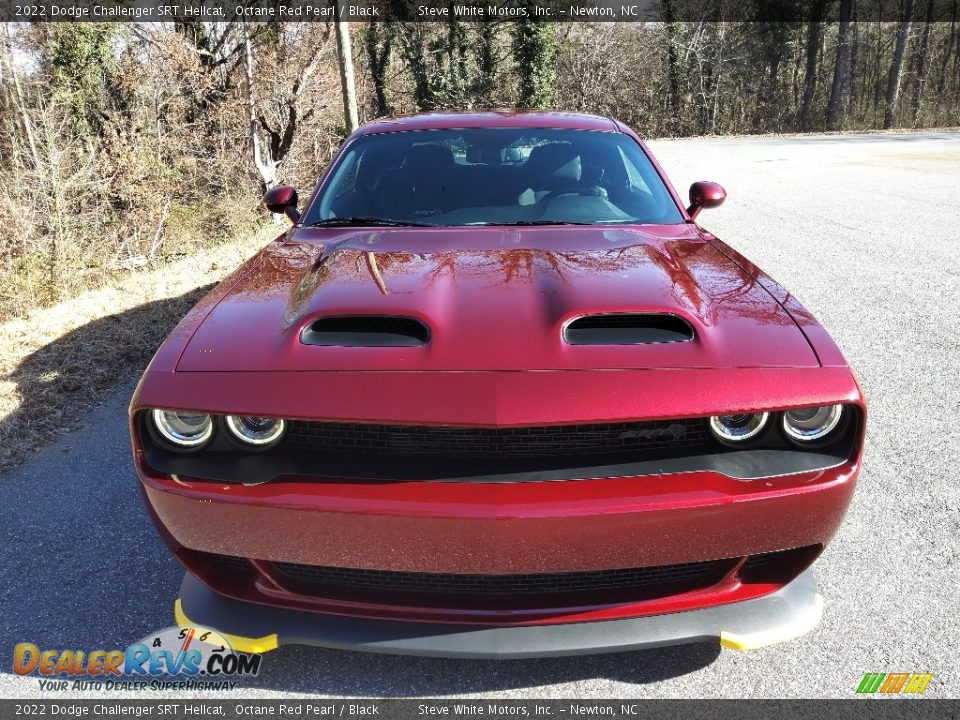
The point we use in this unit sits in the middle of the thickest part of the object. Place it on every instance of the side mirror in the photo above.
(705, 195)
(282, 199)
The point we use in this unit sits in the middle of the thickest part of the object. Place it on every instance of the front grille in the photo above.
(321, 578)
(231, 563)
(501, 442)
(756, 562)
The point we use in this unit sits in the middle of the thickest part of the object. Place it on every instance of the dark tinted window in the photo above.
(496, 176)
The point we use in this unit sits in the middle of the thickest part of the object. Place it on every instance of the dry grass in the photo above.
(57, 362)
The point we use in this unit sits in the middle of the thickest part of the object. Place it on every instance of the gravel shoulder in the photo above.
(862, 228)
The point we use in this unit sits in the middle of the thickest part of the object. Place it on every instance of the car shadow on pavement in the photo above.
(340, 673)
(82, 565)
(58, 382)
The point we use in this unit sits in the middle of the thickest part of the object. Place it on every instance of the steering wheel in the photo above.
(584, 190)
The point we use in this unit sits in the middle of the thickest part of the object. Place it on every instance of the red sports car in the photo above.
(495, 393)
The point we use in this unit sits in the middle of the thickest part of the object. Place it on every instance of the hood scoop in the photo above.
(366, 331)
(627, 329)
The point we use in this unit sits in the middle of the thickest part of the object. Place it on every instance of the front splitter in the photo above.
(788, 613)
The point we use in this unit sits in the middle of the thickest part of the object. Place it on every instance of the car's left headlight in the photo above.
(810, 424)
(738, 428)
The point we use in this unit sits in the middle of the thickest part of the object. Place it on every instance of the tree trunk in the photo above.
(849, 105)
(486, 62)
(896, 67)
(378, 45)
(411, 48)
(672, 30)
(920, 72)
(347, 84)
(814, 39)
(266, 167)
(534, 55)
(948, 50)
(841, 66)
(457, 93)
(717, 86)
(20, 103)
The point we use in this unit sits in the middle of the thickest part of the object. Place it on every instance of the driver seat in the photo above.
(551, 168)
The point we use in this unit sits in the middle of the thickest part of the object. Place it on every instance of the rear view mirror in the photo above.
(705, 195)
(282, 199)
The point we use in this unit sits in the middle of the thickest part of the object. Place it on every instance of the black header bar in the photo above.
(447, 10)
(187, 708)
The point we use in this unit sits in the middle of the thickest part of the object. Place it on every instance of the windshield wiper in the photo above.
(535, 222)
(364, 220)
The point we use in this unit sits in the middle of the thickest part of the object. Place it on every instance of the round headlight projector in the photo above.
(258, 431)
(182, 427)
(811, 424)
(737, 428)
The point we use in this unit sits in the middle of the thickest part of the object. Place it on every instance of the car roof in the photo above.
(490, 119)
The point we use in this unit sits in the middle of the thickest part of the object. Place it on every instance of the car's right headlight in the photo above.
(183, 428)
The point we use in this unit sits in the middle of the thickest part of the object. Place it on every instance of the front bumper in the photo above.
(595, 524)
(788, 613)
(501, 530)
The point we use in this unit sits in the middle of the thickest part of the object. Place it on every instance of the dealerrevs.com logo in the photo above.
(894, 683)
(200, 658)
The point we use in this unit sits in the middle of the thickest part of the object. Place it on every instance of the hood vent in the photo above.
(366, 331)
(627, 329)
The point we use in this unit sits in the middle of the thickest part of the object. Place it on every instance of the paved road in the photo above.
(862, 229)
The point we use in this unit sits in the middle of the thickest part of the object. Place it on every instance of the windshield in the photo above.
(494, 176)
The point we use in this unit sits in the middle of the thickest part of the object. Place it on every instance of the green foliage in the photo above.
(81, 58)
(378, 42)
(483, 84)
(534, 54)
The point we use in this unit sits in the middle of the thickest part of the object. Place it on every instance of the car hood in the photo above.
(495, 299)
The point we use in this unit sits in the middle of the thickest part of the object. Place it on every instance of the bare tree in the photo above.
(920, 66)
(841, 66)
(345, 62)
(378, 42)
(896, 66)
(280, 119)
(818, 9)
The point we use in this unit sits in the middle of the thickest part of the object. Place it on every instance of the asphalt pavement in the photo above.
(863, 229)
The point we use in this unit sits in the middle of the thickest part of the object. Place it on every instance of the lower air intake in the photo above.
(523, 584)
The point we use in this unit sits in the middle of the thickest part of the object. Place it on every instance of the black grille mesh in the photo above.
(501, 442)
(527, 584)
(762, 560)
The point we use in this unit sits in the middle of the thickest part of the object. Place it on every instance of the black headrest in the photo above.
(554, 162)
(429, 157)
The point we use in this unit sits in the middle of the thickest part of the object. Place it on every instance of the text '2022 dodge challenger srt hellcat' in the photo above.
(496, 394)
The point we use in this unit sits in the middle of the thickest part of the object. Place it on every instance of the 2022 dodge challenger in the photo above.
(495, 393)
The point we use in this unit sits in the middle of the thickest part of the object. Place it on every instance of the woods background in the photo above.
(123, 146)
